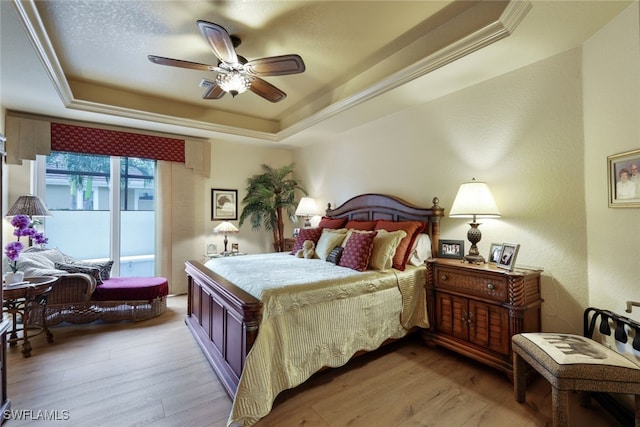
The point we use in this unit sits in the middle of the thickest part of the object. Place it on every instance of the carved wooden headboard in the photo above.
(369, 207)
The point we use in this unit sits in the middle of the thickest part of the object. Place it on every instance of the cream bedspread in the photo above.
(315, 314)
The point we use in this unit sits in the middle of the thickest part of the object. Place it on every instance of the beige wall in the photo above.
(231, 166)
(612, 125)
(523, 133)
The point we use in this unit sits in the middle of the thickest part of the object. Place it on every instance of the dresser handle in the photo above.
(444, 278)
(490, 286)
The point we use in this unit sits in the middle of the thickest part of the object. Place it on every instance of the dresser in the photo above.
(289, 243)
(475, 309)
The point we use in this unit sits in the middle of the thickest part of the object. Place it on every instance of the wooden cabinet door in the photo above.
(451, 315)
(489, 326)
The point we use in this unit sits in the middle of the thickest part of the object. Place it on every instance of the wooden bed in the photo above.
(225, 320)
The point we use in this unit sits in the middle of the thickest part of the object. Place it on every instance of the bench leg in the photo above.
(519, 377)
(560, 407)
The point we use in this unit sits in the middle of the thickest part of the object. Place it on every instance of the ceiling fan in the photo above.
(236, 74)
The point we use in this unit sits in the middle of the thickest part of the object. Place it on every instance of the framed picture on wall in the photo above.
(624, 179)
(224, 204)
(451, 249)
(508, 256)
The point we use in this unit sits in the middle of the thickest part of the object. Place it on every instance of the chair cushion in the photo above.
(574, 357)
(131, 289)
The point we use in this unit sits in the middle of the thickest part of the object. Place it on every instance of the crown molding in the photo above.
(513, 13)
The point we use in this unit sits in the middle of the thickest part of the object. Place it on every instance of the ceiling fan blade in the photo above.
(180, 63)
(219, 40)
(276, 65)
(213, 91)
(266, 90)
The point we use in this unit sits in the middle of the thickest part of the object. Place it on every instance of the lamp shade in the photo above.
(225, 227)
(474, 199)
(306, 207)
(30, 206)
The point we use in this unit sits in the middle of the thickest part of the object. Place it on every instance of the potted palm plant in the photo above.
(270, 196)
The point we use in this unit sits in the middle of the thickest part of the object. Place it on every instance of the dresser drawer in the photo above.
(490, 286)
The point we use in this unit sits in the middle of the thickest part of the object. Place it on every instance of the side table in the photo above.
(26, 300)
(475, 309)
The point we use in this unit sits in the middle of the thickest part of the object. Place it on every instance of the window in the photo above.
(103, 208)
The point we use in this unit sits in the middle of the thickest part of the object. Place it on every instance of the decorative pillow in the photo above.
(421, 250)
(75, 268)
(412, 228)
(334, 223)
(329, 239)
(357, 251)
(335, 255)
(384, 247)
(312, 234)
(34, 267)
(361, 225)
(35, 262)
(104, 267)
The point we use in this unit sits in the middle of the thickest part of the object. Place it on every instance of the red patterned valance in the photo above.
(80, 139)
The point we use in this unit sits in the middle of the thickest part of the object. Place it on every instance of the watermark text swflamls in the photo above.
(36, 415)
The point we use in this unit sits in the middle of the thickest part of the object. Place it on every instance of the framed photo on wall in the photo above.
(624, 179)
(451, 249)
(508, 256)
(224, 204)
(494, 253)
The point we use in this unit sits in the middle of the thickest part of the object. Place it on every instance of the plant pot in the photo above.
(11, 278)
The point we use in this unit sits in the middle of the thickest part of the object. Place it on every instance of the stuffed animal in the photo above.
(307, 251)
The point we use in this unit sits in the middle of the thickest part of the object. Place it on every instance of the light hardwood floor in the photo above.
(152, 374)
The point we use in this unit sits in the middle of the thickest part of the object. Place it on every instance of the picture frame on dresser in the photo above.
(224, 204)
(453, 249)
(494, 253)
(508, 255)
(624, 179)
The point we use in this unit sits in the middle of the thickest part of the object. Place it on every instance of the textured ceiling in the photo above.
(363, 58)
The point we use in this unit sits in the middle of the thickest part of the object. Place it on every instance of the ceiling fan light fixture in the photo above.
(233, 82)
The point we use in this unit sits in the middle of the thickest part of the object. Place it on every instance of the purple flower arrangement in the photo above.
(22, 226)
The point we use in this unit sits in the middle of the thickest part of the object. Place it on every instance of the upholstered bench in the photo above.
(574, 363)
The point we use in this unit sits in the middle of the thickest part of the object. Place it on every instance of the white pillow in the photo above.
(421, 250)
(384, 248)
(328, 240)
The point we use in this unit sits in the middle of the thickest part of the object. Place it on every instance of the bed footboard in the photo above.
(224, 320)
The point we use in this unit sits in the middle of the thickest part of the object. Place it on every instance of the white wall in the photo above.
(522, 133)
(612, 125)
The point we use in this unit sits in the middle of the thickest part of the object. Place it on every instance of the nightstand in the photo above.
(475, 309)
(289, 243)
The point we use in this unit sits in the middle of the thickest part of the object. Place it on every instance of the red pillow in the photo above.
(413, 229)
(333, 223)
(312, 234)
(357, 251)
(361, 225)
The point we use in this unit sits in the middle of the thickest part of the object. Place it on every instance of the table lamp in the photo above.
(474, 200)
(225, 228)
(28, 205)
(306, 208)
